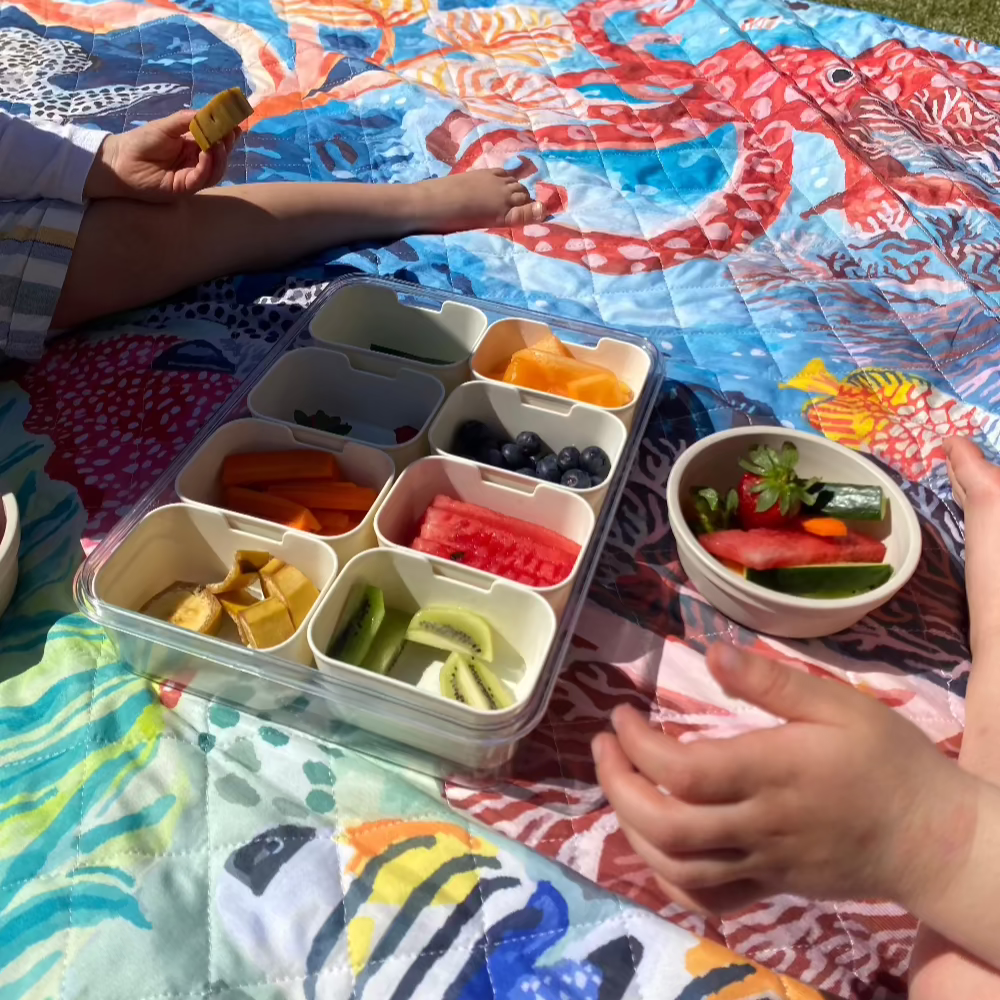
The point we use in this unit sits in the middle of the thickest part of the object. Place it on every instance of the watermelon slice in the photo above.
(765, 548)
(483, 539)
(526, 530)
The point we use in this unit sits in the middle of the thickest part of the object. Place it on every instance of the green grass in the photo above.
(970, 18)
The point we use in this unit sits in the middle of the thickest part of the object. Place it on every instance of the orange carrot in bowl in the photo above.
(270, 508)
(326, 495)
(332, 522)
(264, 467)
(825, 527)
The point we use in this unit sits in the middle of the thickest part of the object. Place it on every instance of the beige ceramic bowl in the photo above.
(10, 542)
(713, 461)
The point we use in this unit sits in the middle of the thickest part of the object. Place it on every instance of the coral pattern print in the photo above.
(797, 204)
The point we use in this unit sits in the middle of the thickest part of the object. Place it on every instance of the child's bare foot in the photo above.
(479, 199)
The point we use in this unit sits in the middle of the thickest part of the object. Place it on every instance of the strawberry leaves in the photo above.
(775, 481)
(714, 512)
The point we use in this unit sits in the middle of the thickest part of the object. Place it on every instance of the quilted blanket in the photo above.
(797, 204)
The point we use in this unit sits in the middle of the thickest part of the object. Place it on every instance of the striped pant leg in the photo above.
(36, 244)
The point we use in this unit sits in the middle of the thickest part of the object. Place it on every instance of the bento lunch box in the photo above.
(389, 423)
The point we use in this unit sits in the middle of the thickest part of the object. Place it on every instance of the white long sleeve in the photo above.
(42, 160)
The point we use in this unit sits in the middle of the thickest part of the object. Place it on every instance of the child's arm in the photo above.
(41, 160)
(156, 162)
(845, 800)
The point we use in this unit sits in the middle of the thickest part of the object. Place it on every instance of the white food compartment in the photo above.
(560, 423)
(523, 626)
(182, 543)
(199, 481)
(505, 337)
(364, 315)
(559, 510)
(317, 378)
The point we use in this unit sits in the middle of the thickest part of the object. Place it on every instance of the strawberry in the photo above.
(771, 495)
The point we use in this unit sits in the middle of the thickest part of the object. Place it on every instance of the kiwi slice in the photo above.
(454, 631)
(359, 625)
(473, 684)
(388, 642)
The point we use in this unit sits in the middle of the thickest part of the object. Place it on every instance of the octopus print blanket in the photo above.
(797, 204)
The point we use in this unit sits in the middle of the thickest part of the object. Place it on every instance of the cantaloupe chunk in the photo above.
(551, 344)
(568, 377)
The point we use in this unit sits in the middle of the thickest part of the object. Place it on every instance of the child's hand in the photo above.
(845, 800)
(157, 162)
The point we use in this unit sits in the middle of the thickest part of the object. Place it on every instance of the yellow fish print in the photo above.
(900, 419)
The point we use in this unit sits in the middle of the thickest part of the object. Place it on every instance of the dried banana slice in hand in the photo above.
(219, 117)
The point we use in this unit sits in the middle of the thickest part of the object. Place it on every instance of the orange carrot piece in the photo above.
(332, 522)
(326, 495)
(825, 527)
(263, 467)
(271, 508)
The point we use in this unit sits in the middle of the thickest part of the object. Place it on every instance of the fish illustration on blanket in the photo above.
(899, 418)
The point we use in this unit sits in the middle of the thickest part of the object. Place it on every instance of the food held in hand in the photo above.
(266, 599)
(188, 606)
(484, 539)
(219, 117)
(472, 683)
(778, 530)
(453, 630)
(549, 366)
(530, 456)
(300, 488)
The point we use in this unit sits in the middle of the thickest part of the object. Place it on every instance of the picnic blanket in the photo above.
(797, 204)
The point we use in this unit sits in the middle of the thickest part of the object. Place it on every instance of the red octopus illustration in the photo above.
(891, 108)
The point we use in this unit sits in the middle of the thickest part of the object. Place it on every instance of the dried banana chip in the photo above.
(219, 117)
(246, 565)
(294, 590)
(188, 606)
(236, 601)
(265, 624)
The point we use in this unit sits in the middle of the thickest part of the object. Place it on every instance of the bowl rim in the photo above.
(9, 542)
(901, 506)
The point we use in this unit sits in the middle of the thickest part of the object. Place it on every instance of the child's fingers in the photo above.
(675, 827)
(716, 900)
(690, 871)
(702, 771)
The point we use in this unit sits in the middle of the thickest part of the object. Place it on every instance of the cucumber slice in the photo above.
(359, 625)
(850, 502)
(828, 581)
(388, 642)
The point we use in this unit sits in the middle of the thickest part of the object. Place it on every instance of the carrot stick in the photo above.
(326, 495)
(262, 467)
(332, 522)
(825, 527)
(271, 508)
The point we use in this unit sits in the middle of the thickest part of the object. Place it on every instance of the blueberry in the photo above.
(595, 461)
(527, 470)
(569, 458)
(491, 456)
(547, 468)
(576, 479)
(513, 457)
(530, 442)
(471, 437)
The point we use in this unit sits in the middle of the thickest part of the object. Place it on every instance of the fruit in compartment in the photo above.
(219, 117)
(595, 462)
(766, 548)
(388, 642)
(568, 458)
(530, 443)
(269, 507)
(453, 630)
(551, 344)
(547, 469)
(472, 683)
(567, 376)
(265, 467)
(243, 573)
(265, 624)
(576, 479)
(293, 589)
(360, 621)
(235, 601)
(405, 433)
(188, 606)
(771, 493)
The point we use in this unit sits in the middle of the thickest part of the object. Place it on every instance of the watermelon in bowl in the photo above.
(788, 533)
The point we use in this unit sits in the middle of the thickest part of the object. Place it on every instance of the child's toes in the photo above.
(522, 215)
